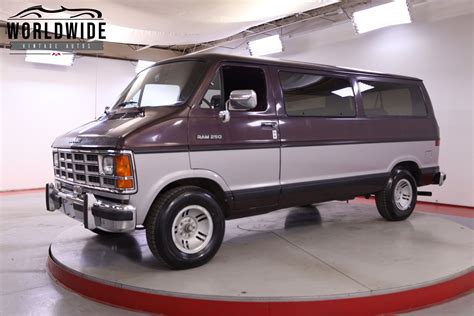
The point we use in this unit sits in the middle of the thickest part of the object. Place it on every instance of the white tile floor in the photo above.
(26, 231)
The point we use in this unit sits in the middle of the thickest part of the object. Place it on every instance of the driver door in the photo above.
(244, 151)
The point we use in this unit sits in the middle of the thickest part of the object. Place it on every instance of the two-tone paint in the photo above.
(262, 161)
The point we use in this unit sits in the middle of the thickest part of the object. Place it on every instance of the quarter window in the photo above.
(213, 97)
(391, 99)
(314, 95)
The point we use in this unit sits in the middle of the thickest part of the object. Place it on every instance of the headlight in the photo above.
(108, 165)
(56, 159)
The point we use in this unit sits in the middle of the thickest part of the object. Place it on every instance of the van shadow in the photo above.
(110, 250)
(289, 218)
(303, 216)
(103, 250)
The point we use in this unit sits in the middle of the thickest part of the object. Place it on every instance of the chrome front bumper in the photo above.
(93, 212)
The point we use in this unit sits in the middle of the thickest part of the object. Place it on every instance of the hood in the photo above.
(111, 130)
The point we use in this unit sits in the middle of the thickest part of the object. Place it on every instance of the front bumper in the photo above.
(93, 212)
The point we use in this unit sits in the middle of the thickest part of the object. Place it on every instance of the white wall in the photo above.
(40, 102)
(438, 50)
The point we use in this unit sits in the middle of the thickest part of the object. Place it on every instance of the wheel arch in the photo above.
(412, 167)
(217, 188)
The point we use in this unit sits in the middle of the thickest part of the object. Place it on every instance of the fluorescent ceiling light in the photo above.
(265, 46)
(392, 13)
(50, 57)
(142, 64)
(347, 92)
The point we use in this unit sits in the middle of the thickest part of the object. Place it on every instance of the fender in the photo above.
(145, 197)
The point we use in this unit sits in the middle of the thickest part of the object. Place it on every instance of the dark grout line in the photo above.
(321, 260)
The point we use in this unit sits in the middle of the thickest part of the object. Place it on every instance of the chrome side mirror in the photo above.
(242, 100)
(107, 109)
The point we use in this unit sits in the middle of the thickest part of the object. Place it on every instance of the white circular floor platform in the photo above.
(331, 252)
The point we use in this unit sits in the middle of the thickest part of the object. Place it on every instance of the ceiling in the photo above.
(160, 29)
(178, 22)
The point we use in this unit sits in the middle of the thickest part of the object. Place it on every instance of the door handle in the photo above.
(269, 124)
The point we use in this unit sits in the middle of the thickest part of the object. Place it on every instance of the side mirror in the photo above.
(242, 100)
(106, 110)
(239, 100)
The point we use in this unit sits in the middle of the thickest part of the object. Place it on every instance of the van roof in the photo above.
(282, 62)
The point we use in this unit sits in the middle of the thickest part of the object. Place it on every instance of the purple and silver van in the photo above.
(199, 139)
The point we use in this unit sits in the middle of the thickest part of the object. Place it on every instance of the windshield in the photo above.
(162, 85)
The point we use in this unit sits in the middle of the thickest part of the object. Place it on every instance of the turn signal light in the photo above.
(122, 166)
(124, 184)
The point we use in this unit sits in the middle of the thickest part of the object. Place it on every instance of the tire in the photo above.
(185, 227)
(397, 206)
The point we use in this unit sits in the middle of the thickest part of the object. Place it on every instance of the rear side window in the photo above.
(391, 99)
(314, 95)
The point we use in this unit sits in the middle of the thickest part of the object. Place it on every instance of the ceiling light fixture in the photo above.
(50, 57)
(142, 64)
(392, 13)
(265, 46)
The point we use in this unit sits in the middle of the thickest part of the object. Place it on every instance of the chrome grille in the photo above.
(83, 168)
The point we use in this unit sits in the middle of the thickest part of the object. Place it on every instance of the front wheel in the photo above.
(397, 201)
(185, 227)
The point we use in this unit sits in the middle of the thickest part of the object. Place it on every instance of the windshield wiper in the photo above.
(140, 109)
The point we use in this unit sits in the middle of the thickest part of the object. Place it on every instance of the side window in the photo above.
(231, 78)
(314, 95)
(391, 99)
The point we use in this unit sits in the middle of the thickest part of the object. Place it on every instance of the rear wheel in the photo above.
(185, 227)
(397, 201)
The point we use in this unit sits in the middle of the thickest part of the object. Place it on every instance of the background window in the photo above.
(232, 78)
(160, 94)
(312, 95)
(391, 99)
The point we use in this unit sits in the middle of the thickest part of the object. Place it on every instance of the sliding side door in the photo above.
(321, 156)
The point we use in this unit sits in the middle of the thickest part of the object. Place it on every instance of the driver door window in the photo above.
(230, 78)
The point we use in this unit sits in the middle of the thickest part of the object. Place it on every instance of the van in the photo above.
(195, 140)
